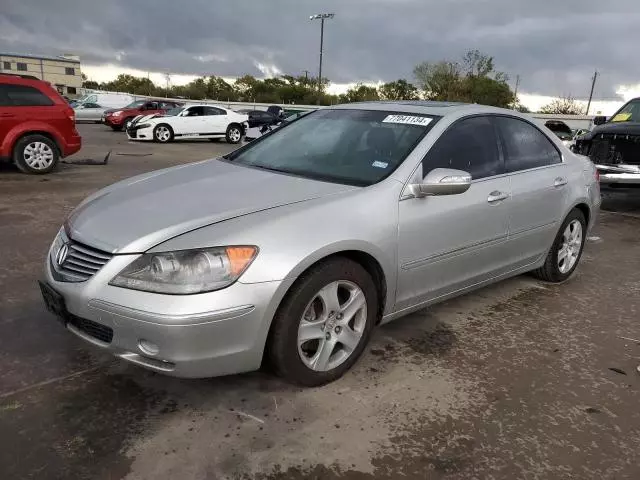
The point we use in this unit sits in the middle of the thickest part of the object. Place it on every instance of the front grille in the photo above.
(608, 149)
(81, 262)
(91, 328)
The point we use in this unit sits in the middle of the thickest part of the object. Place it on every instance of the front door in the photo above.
(447, 243)
(538, 187)
(190, 122)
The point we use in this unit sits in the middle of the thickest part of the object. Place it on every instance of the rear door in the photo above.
(448, 243)
(214, 122)
(539, 180)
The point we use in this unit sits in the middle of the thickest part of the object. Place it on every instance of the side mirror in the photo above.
(599, 120)
(442, 181)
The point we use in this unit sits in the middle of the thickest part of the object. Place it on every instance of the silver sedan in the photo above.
(89, 112)
(293, 248)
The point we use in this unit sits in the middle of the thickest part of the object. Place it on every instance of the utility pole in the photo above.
(306, 76)
(167, 76)
(515, 93)
(321, 17)
(593, 85)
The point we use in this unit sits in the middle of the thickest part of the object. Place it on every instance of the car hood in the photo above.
(623, 128)
(136, 214)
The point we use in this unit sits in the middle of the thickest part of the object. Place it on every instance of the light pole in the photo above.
(321, 17)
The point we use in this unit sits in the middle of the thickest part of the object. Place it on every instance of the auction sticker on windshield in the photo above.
(408, 120)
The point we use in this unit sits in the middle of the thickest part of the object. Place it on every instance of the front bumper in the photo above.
(112, 121)
(615, 175)
(204, 335)
(140, 133)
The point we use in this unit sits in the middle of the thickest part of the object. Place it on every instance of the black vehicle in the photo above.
(259, 118)
(560, 128)
(614, 145)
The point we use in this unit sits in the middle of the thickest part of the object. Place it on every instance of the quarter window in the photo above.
(213, 111)
(469, 145)
(23, 96)
(22, 67)
(525, 146)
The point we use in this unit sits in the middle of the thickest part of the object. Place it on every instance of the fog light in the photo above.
(148, 348)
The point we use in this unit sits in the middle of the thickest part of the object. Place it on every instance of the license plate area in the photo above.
(54, 302)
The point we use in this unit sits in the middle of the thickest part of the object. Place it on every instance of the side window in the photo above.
(24, 96)
(525, 146)
(213, 111)
(469, 145)
(195, 112)
(152, 106)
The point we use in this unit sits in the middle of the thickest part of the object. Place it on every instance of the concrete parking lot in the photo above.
(518, 380)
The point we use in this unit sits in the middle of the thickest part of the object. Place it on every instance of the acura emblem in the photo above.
(61, 256)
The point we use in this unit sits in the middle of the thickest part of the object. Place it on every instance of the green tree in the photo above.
(472, 80)
(360, 93)
(563, 106)
(398, 90)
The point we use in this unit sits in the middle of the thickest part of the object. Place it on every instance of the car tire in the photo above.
(163, 133)
(304, 314)
(234, 133)
(36, 154)
(127, 121)
(566, 251)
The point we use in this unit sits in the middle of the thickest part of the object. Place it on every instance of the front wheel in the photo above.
(163, 133)
(324, 323)
(234, 134)
(564, 256)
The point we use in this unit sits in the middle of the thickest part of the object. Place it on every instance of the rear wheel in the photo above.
(565, 254)
(324, 323)
(163, 133)
(36, 154)
(234, 134)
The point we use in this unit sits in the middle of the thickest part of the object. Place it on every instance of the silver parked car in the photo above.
(89, 112)
(294, 247)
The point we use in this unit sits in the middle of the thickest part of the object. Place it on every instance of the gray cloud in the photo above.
(554, 46)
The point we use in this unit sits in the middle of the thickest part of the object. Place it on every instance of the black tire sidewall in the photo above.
(231, 127)
(557, 275)
(284, 347)
(155, 137)
(18, 154)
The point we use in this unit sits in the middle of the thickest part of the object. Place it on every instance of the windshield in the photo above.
(355, 147)
(629, 113)
(136, 104)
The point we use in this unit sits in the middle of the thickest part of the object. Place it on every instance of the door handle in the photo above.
(496, 196)
(7, 115)
(560, 182)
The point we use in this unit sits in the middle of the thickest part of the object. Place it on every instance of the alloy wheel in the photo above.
(332, 325)
(570, 247)
(235, 134)
(163, 134)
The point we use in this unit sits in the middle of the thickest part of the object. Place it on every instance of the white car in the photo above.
(188, 122)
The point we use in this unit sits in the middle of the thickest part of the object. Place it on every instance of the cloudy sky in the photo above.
(554, 45)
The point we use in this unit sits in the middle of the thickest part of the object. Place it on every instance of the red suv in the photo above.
(37, 126)
(121, 117)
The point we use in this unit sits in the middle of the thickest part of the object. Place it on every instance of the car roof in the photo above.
(426, 107)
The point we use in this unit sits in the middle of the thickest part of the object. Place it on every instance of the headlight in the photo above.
(186, 271)
(116, 114)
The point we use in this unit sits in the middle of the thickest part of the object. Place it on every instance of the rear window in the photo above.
(23, 96)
